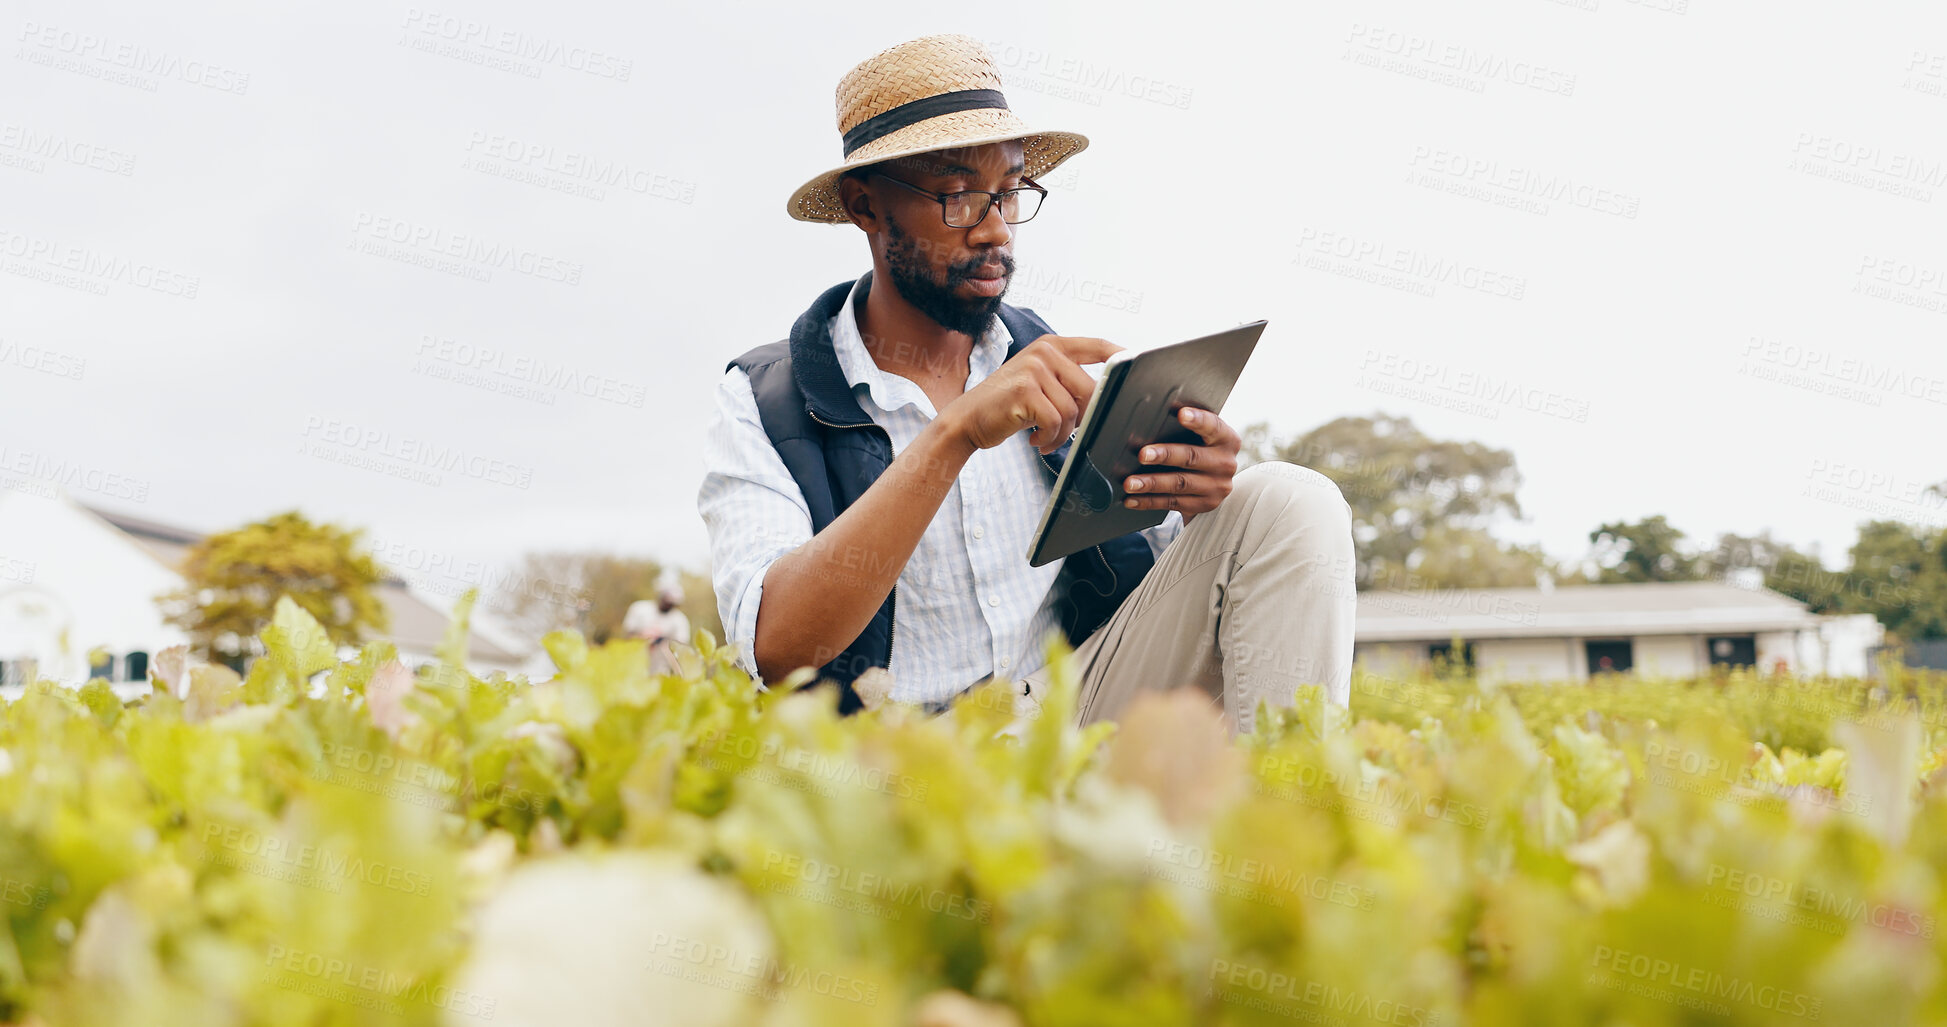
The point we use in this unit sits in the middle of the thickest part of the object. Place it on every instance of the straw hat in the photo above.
(933, 93)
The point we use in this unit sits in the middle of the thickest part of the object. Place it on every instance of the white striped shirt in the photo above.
(969, 605)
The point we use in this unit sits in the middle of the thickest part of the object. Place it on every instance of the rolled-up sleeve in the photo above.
(752, 508)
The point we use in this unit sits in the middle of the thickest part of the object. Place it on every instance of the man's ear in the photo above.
(857, 203)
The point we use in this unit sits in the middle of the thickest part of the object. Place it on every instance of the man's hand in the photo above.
(1043, 386)
(1187, 478)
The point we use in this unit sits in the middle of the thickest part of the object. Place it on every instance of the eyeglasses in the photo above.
(969, 207)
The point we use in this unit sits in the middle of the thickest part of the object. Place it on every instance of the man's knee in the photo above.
(1299, 493)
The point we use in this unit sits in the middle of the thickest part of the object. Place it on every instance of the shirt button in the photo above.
(980, 532)
(993, 600)
(1003, 664)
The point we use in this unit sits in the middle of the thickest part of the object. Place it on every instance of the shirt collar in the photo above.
(891, 391)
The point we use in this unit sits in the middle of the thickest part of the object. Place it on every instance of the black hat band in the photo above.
(880, 125)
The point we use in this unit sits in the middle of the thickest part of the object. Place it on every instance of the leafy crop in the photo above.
(332, 842)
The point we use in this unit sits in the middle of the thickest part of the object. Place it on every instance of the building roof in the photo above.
(416, 625)
(1582, 611)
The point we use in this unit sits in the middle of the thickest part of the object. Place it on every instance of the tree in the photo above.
(590, 592)
(234, 578)
(1420, 506)
(1777, 566)
(1899, 574)
(1647, 550)
(1471, 558)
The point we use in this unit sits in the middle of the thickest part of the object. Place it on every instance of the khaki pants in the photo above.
(1251, 600)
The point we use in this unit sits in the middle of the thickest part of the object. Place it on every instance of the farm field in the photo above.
(612, 847)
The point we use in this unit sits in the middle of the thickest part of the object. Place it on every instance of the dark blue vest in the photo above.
(835, 452)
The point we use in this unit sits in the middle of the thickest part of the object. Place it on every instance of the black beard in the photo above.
(912, 276)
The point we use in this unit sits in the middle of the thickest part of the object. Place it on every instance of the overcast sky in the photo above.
(1684, 257)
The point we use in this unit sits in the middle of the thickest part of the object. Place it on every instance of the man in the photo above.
(658, 624)
(875, 480)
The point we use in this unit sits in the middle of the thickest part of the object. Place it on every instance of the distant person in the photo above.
(659, 624)
(874, 481)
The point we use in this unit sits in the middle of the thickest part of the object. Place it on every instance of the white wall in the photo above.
(75, 582)
(1845, 641)
(1390, 659)
(1779, 645)
(1669, 656)
(1838, 647)
(1523, 659)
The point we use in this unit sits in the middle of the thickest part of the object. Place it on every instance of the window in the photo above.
(104, 669)
(1610, 657)
(137, 668)
(1442, 652)
(1732, 650)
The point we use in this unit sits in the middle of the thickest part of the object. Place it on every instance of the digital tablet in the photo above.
(1136, 402)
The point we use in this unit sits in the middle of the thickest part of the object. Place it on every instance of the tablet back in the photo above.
(1135, 403)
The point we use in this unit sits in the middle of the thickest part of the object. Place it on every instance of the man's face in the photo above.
(956, 276)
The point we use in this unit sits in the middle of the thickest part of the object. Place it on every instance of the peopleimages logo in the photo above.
(42, 359)
(1823, 901)
(273, 849)
(751, 973)
(742, 748)
(1419, 271)
(432, 567)
(1272, 990)
(92, 267)
(469, 256)
(1702, 983)
(1838, 367)
(87, 50)
(833, 877)
(1088, 79)
(583, 170)
(65, 150)
(1846, 153)
(1525, 184)
(553, 376)
(416, 453)
(1422, 57)
(1260, 877)
(366, 985)
(21, 893)
(72, 475)
(1500, 392)
(1308, 783)
(516, 44)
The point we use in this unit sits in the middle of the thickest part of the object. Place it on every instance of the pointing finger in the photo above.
(1084, 350)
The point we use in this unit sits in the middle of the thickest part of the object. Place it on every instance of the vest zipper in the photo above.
(1088, 701)
(861, 424)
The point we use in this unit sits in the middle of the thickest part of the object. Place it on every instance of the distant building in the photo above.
(1673, 629)
(75, 579)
